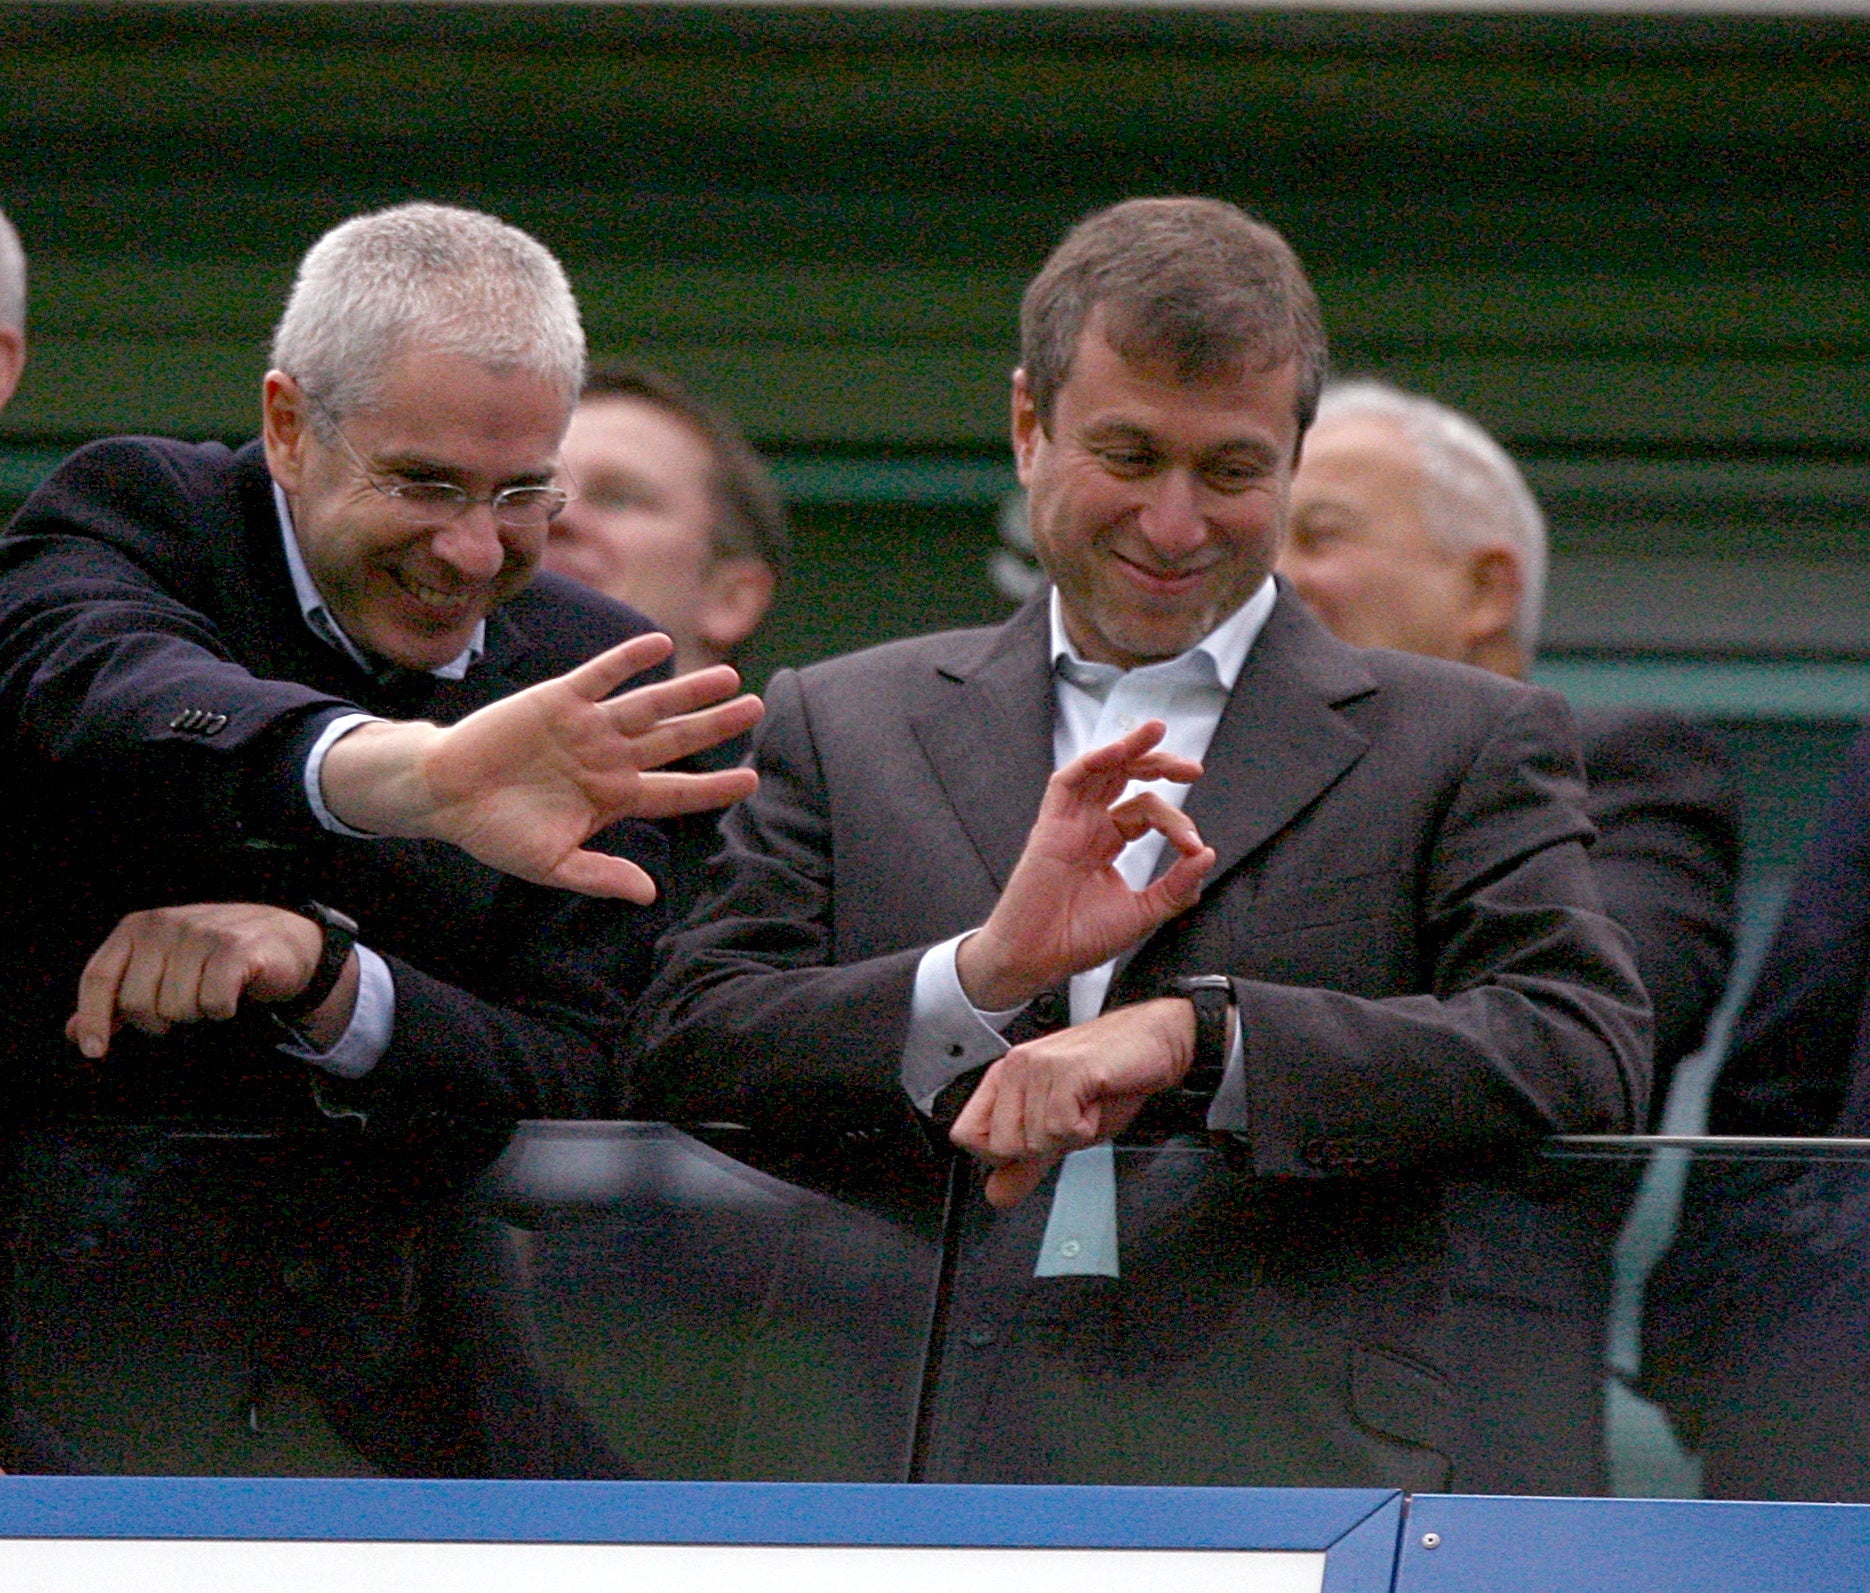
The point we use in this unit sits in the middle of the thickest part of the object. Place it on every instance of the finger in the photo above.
(1111, 761)
(635, 711)
(1168, 766)
(1150, 810)
(178, 987)
(224, 980)
(597, 678)
(141, 986)
(599, 874)
(664, 796)
(969, 1132)
(95, 1019)
(668, 740)
(1179, 887)
(1007, 1186)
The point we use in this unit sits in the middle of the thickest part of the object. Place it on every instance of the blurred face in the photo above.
(1157, 506)
(412, 591)
(1360, 552)
(640, 528)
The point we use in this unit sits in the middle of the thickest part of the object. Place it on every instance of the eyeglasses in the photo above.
(437, 502)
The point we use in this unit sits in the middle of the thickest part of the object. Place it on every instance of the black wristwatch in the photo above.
(340, 937)
(1213, 998)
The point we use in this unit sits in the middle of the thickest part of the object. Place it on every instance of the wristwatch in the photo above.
(340, 936)
(1213, 998)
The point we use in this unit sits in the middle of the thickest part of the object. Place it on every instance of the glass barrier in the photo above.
(621, 1299)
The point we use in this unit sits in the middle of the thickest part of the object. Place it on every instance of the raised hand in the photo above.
(1070, 1089)
(1066, 908)
(523, 783)
(174, 965)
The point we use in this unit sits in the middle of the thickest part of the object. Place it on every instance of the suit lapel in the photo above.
(1280, 742)
(988, 737)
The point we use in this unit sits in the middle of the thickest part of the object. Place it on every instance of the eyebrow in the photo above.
(1250, 448)
(416, 467)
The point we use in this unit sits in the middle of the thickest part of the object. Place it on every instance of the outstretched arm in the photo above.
(523, 783)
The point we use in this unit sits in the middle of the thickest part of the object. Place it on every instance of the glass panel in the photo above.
(620, 1299)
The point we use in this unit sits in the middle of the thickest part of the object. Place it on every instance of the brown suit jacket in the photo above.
(1425, 982)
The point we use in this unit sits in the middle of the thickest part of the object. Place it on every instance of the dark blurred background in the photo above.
(1635, 248)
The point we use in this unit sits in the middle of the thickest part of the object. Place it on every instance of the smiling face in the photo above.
(413, 592)
(1158, 506)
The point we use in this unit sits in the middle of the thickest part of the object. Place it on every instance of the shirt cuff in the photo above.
(343, 725)
(1231, 1111)
(948, 1034)
(367, 1037)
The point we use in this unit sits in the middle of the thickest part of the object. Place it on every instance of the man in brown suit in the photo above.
(1376, 956)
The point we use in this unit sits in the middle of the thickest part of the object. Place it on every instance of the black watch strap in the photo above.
(340, 936)
(1213, 996)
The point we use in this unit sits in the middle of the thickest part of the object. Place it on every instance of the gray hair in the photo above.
(1473, 493)
(447, 280)
(12, 276)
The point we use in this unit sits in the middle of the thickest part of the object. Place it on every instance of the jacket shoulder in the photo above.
(957, 652)
(567, 623)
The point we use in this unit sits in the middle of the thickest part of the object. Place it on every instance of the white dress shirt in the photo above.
(948, 1036)
(373, 1019)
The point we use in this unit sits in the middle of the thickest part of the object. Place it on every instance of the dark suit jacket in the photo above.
(1758, 1318)
(1667, 810)
(1425, 981)
(147, 578)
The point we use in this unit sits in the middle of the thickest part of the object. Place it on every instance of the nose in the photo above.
(1171, 519)
(471, 546)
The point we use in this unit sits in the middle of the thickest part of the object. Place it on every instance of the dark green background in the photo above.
(1626, 245)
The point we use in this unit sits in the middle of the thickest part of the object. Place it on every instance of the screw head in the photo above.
(1431, 1540)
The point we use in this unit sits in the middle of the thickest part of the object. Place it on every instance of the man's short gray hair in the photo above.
(433, 277)
(1473, 493)
(12, 276)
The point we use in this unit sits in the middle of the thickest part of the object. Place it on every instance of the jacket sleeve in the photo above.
(1531, 1020)
(748, 1018)
(1667, 859)
(104, 646)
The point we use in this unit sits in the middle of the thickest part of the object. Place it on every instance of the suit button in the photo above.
(214, 724)
(1048, 1009)
(979, 1334)
(184, 722)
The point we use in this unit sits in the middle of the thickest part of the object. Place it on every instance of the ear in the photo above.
(1027, 431)
(12, 361)
(735, 595)
(1496, 587)
(286, 427)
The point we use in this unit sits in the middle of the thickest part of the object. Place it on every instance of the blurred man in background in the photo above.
(12, 310)
(674, 515)
(1412, 529)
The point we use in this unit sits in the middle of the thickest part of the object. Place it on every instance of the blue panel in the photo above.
(1364, 1559)
(684, 1512)
(1632, 1546)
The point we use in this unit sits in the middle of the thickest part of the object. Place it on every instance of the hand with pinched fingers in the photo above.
(177, 965)
(1071, 1089)
(1066, 907)
(523, 783)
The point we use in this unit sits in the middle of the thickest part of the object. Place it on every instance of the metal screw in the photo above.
(1431, 1540)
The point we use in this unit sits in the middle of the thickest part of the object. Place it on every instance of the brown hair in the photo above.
(749, 515)
(1196, 281)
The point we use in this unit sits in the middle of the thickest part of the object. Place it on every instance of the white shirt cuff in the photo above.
(948, 1034)
(329, 737)
(1230, 1112)
(367, 1037)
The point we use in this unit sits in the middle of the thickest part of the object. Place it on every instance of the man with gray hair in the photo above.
(12, 309)
(318, 803)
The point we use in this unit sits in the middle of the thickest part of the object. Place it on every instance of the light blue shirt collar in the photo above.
(324, 624)
(1223, 651)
